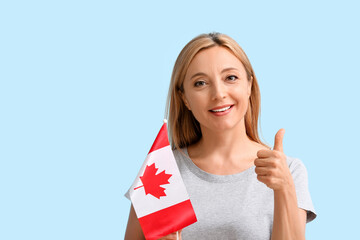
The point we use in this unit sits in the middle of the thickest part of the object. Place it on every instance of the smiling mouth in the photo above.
(222, 109)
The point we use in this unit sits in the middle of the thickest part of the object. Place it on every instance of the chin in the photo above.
(223, 126)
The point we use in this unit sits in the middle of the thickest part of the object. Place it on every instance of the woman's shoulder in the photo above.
(179, 154)
(295, 164)
(178, 151)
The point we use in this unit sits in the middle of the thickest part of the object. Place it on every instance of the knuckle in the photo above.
(279, 160)
(277, 154)
(277, 164)
(271, 181)
(273, 163)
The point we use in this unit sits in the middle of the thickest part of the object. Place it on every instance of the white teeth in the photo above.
(221, 110)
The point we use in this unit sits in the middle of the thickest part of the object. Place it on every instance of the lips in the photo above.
(221, 108)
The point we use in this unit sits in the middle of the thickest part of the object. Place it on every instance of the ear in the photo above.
(184, 100)
(249, 86)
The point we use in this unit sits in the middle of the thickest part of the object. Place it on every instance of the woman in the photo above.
(239, 187)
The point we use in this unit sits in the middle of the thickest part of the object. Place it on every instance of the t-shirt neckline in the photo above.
(241, 176)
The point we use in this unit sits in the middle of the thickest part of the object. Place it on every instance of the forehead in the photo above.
(214, 59)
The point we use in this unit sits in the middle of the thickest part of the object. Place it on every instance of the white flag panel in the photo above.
(175, 191)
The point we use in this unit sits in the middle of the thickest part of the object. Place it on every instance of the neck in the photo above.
(227, 143)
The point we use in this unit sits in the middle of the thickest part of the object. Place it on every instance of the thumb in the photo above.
(178, 235)
(278, 144)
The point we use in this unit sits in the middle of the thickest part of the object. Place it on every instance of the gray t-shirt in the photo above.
(235, 206)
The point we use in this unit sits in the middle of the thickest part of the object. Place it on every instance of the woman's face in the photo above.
(216, 89)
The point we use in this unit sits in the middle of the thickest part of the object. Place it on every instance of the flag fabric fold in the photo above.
(158, 193)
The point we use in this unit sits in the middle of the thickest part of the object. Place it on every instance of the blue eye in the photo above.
(199, 83)
(232, 77)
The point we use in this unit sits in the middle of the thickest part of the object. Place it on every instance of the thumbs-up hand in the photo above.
(271, 166)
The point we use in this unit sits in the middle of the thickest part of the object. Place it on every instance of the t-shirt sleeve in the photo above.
(127, 194)
(300, 177)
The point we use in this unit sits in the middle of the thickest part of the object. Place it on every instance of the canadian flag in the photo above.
(158, 193)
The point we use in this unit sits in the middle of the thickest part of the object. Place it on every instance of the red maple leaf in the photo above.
(151, 181)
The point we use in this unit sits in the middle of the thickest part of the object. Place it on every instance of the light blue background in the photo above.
(83, 89)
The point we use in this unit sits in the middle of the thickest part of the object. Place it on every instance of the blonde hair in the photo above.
(183, 128)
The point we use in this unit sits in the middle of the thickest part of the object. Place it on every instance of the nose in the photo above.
(218, 90)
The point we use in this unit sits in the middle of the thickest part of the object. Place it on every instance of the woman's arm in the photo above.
(272, 169)
(289, 220)
(133, 229)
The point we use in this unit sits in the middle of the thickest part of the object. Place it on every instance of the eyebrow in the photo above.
(203, 74)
